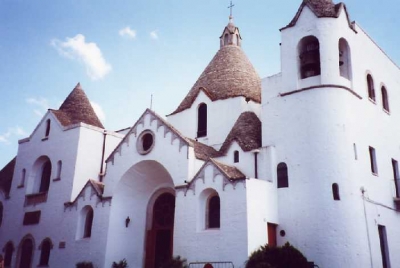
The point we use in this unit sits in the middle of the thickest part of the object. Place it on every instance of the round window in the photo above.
(145, 142)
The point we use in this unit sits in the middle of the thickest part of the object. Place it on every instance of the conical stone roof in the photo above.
(229, 74)
(77, 109)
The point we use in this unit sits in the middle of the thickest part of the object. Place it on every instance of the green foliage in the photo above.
(175, 262)
(286, 256)
(84, 264)
(121, 264)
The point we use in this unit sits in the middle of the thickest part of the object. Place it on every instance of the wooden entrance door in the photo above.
(159, 241)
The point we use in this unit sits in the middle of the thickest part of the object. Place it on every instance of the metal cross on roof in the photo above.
(231, 6)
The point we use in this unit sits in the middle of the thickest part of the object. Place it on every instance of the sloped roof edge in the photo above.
(338, 9)
(97, 186)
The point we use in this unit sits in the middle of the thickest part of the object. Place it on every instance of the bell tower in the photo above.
(231, 35)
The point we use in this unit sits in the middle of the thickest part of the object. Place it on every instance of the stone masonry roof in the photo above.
(6, 176)
(246, 132)
(321, 9)
(229, 74)
(202, 151)
(230, 172)
(77, 109)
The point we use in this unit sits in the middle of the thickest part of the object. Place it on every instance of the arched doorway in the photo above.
(159, 240)
(26, 253)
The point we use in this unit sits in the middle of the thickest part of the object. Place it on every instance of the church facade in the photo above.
(307, 156)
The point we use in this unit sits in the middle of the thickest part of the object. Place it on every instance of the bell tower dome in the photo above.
(231, 35)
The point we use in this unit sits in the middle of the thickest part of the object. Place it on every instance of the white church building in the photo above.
(307, 156)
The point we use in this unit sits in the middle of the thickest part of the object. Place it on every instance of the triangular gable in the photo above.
(160, 122)
(96, 186)
(333, 11)
(53, 119)
(230, 174)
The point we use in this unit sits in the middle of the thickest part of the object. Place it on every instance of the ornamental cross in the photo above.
(231, 6)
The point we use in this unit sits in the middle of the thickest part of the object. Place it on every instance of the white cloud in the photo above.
(11, 133)
(99, 111)
(87, 53)
(154, 35)
(41, 102)
(127, 32)
(42, 105)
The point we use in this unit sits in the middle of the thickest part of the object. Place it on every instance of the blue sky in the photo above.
(123, 51)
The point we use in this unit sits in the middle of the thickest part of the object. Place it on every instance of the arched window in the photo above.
(45, 248)
(202, 120)
(282, 175)
(344, 59)
(226, 39)
(59, 168)
(385, 99)
(87, 232)
(371, 89)
(308, 50)
(214, 212)
(236, 156)
(335, 191)
(8, 252)
(237, 40)
(1, 213)
(45, 178)
(47, 128)
(25, 254)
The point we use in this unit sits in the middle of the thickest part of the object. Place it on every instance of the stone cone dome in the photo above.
(229, 74)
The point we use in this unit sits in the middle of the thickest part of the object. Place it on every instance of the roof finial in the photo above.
(231, 6)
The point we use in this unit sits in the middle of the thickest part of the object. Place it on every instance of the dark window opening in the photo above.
(8, 252)
(59, 168)
(45, 253)
(372, 156)
(26, 253)
(202, 121)
(1, 213)
(32, 217)
(335, 191)
(344, 59)
(236, 157)
(47, 128)
(395, 167)
(282, 175)
(385, 99)
(88, 223)
(214, 211)
(310, 64)
(384, 246)
(226, 39)
(147, 141)
(45, 179)
(371, 89)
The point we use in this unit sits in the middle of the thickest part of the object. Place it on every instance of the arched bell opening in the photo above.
(309, 57)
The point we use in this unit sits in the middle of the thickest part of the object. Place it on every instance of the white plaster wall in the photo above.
(229, 242)
(262, 208)
(221, 116)
(54, 223)
(313, 132)
(131, 199)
